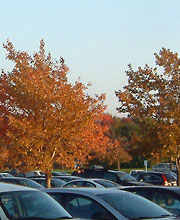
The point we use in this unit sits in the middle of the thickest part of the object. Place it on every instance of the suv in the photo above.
(120, 177)
(157, 178)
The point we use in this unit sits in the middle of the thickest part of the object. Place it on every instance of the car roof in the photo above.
(68, 177)
(84, 180)
(91, 179)
(43, 178)
(117, 171)
(153, 172)
(83, 190)
(134, 171)
(14, 178)
(60, 173)
(170, 188)
(8, 187)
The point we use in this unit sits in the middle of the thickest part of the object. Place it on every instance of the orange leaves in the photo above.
(50, 119)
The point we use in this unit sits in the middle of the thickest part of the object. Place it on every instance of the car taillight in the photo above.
(165, 182)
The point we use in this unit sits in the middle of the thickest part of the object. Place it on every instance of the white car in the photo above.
(19, 202)
(5, 175)
(91, 182)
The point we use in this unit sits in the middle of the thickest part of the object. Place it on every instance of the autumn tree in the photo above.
(119, 153)
(154, 94)
(115, 151)
(50, 120)
(4, 151)
(145, 143)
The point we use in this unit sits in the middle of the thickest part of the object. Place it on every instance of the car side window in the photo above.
(43, 183)
(97, 174)
(84, 207)
(142, 193)
(150, 178)
(167, 201)
(9, 204)
(59, 198)
(88, 184)
(22, 182)
(75, 184)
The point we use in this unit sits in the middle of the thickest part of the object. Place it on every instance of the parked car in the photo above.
(60, 173)
(39, 176)
(5, 175)
(135, 173)
(157, 178)
(67, 178)
(119, 177)
(16, 173)
(98, 183)
(54, 182)
(19, 202)
(33, 173)
(107, 204)
(21, 181)
(166, 197)
(162, 167)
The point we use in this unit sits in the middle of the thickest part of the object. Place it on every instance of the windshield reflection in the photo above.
(133, 206)
(28, 204)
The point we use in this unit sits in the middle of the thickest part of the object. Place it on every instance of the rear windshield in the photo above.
(30, 183)
(133, 206)
(125, 176)
(106, 183)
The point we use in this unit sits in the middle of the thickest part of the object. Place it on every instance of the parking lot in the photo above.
(93, 193)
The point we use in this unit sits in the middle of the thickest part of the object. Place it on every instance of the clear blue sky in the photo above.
(97, 38)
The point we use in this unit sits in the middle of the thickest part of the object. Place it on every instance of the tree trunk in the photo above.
(62, 167)
(119, 165)
(170, 164)
(178, 170)
(48, 179)
(178, 175)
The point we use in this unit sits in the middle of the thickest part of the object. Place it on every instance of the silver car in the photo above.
(24, 203)
(107, 204)
(91, 182)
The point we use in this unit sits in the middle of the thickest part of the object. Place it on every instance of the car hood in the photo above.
(163, 218)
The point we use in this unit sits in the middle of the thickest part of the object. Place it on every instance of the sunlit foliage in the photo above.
(50, 120)
(153, 94)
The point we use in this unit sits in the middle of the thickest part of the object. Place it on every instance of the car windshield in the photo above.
(133, 206)
(57, 182)
(31, 204)
(125, 176)
(172, 176)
